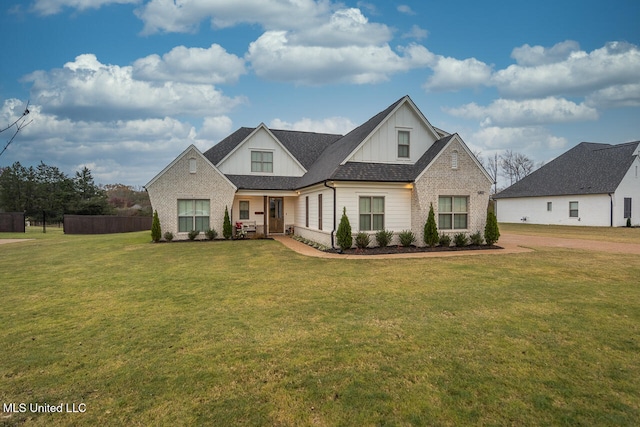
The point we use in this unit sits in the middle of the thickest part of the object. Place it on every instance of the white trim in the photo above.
(180, 157)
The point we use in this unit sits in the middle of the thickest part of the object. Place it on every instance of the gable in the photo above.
(238, 161)
(381, 146)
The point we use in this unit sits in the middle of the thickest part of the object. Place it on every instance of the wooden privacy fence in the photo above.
(12, 222)
(105, 224)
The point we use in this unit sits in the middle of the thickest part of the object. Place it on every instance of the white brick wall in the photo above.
(176, 182)
(441, 179)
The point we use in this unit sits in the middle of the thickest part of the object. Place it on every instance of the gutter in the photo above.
(333, 246)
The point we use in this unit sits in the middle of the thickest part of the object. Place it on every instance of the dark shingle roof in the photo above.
(259, 182)
(588, 168)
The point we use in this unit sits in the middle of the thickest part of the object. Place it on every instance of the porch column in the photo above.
(265, 210)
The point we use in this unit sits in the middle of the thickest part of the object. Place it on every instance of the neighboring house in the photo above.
(591, 184)
(386, 173)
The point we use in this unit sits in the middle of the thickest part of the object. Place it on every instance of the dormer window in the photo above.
(262, 161)
(403, 144)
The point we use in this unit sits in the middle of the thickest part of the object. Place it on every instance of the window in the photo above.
(306, 211)
(371, 213)
(193, 215)
(573, 209)
(244, 209)
(262, 161)
(192, 165)
(549, 206)
(452, 212)
(454, 160)
(627, 207)
(403, 144)
(319, 211)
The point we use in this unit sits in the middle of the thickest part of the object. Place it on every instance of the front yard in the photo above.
(250, 333)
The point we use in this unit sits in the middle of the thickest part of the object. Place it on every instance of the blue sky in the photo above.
(124, 86)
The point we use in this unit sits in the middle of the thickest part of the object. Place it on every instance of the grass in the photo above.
(249, 333)
(608, 234)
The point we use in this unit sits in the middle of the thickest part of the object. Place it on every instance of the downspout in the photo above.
(611, 210)
(334, 214)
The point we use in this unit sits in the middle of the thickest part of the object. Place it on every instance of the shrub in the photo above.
(211, 234)
(343, 235)
(227, 231)
(362, 240)
(430, 229)
(156, 231)
(407, 238)
(476, 239)
(383, 237)
(491, 232)
(168, 236)
(628, 222)
(460, 240)
(193, 234)
(445, 240)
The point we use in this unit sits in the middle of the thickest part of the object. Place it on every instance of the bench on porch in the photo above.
(249, 226)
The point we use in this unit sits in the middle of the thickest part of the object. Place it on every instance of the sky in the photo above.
(124, 86)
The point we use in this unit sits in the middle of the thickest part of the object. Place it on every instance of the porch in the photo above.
(270, 212)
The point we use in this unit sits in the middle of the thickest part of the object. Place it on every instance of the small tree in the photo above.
(156, 230)
(227, 231)
(345, 239)
(431, 237)
(491, 232)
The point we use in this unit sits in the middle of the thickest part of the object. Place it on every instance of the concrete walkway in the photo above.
(511, 244)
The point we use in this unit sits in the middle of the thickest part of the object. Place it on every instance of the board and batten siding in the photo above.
(382, 146)
(313, 232)
(239, 163)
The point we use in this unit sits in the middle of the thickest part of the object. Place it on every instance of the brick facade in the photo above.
(178, 182)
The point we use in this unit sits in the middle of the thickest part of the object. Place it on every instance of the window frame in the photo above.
(549, 206)
(449, 219)
(627, 204)
(320, 211)
(373, 220)
(454, 159)
(574, 212)
(241, 215)
(261, 165)
(193, 165)
(402, 145)
(193, 218)
(306, 211)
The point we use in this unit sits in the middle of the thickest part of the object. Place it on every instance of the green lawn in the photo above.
(609, 234)
(249, 333)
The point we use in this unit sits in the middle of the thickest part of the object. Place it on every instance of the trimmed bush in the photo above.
(193, 234)
(211, 234)
(628, 222)
(430, 229)
(460, 240)
(362, 240)
(407, 238)
(476, 239)
(445, 240)
(491, 232)
(168, 236)
(383, 237)
(156, 230)
(227, 231)
(343, 235)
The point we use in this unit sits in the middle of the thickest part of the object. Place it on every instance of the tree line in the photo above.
(46, 193)
(511, 166)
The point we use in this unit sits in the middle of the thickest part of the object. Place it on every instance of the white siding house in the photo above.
(589, 185)
(385, 173)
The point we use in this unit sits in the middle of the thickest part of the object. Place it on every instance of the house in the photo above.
(385, 173)
(591, 184)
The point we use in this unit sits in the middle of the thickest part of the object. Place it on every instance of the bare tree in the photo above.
(493, 167)
(19, 124)
(515, 166)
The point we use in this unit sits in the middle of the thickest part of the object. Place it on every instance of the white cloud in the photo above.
(616, 96)
(403, 8)
(416, 33)
(528, 56)
(86, 89)
(272, 56)
(172, 16)
(453, 74)
(580, 73)
(51, 7)
(333, 125)
(505, 112)
(213, 130)
(191, 65)
(527, 139)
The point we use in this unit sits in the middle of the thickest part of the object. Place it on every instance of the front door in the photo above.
(276, 215)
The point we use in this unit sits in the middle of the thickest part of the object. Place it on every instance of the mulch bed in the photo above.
(411, 249)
